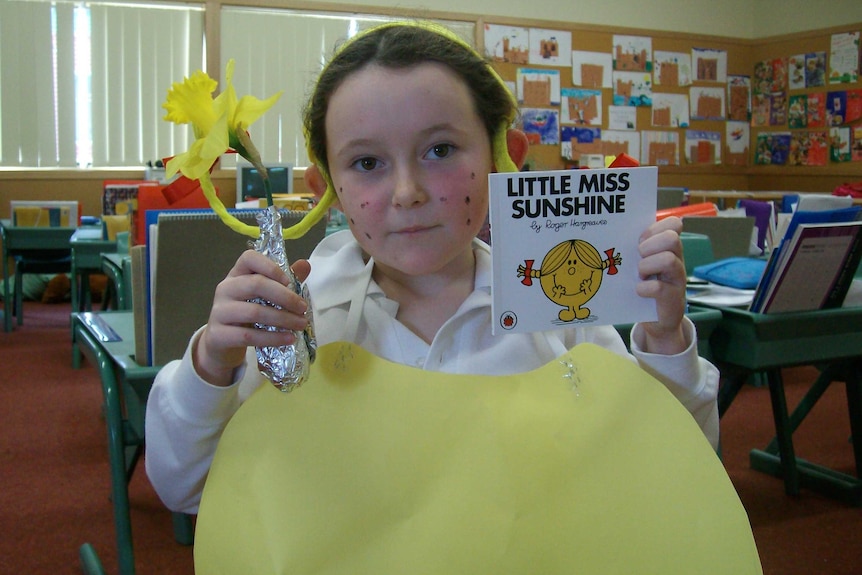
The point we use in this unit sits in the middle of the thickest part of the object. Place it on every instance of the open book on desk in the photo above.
(814, 264)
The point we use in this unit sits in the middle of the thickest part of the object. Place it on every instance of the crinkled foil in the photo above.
(285, 366)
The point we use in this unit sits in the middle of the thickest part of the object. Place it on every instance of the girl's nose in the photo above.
(408, 191)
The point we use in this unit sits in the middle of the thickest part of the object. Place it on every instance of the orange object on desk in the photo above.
(701, 209)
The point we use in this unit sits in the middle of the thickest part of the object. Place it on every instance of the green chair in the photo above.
(696, 249)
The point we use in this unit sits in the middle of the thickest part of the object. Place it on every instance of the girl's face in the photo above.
(409, 159)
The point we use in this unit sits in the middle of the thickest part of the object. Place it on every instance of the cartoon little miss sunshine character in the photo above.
(570, 275)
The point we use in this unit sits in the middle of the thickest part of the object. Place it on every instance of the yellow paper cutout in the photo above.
(586, 465)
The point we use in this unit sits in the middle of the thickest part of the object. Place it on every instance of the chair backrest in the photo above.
(730, 236)
(696, 250)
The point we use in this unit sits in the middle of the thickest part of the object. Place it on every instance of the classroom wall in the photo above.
(730, 23)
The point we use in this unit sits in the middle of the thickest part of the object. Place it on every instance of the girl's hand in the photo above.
(663, 278)
(230, 330)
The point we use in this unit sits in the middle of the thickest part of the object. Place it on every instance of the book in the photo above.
(779, 257)
(45, 213)
(140, 307)
(564, 247)
(190, 252)
(815, 268)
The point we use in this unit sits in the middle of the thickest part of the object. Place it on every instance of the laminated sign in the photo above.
(564, 247)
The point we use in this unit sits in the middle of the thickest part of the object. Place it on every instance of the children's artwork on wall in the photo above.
(797, 111)
(672, 69)
(632, 53)
(796, 72)
(770, 76)
(854, 106)
(836, 108)
(772, 148)
(660, 148)
(507, 43)
(702, 147)
(550, 47)
(591, 69)
(737, 136)
(541, 125)
(706, 103)
(576, 142)
(538, 88)
(622, 142)
(779, 74)
(808, 149)
(856, 143)
(778, 109)
(816, 109)
(839, 144)
(622, 118)
(670, 110)
(739, 98)
(760, 105)
(815, 69)
(632, 89)
(762, 78)
(581, 107)
(709, 65)
(844, 58)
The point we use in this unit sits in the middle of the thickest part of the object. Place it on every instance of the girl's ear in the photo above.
(315, 182)
(516, 142)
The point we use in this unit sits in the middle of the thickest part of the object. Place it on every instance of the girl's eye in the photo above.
(366, 164)
(440, 150)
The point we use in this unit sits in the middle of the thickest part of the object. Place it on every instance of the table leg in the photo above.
(116, 449)
(7, 303)
(783, 432)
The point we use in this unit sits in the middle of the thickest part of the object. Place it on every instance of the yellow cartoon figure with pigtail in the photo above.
(570, 275)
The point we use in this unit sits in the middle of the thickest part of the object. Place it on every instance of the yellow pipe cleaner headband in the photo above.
(499, 146)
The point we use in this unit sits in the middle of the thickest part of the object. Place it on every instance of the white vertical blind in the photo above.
(282, 50)
(67, 90)
(137, 53)
(36, 99)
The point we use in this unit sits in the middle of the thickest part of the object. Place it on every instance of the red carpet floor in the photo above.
(56, 485)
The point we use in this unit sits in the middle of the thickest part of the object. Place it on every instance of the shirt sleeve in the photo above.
(690, 378)
(184, 421)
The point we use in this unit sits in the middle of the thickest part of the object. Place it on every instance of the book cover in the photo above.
(779, 255)
(565, 247)
(814, 262)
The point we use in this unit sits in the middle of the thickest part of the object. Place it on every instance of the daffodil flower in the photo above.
(220, 126)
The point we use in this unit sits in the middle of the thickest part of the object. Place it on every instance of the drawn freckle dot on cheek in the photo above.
(444, 199)
(472, 175)
(469, 221)
(352, 222)
(363, 205)
(367, 235)
(467, 200)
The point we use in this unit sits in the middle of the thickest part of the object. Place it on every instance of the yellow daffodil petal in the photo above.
(249, 109)
(191, 102)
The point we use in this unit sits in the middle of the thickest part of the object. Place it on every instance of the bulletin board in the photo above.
(679, 101)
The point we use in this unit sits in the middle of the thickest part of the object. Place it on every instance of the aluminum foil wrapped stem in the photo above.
(286, 366)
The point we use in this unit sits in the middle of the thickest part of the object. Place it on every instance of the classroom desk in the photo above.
(745, 343)
(118, 268)
(87, 248)
(48, 243)
(125, 388)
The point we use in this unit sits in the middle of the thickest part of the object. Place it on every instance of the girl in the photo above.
(404, 126)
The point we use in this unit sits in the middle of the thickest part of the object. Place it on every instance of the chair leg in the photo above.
(90, 562)
(19, 295)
